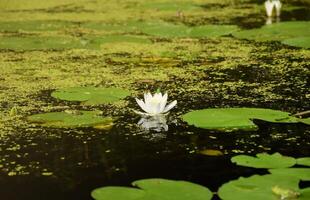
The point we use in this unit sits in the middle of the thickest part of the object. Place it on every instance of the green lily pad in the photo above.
(303, 42)
(71, 119)
(171, 30)
(263, 160)
(276, 32)
(305, 120)
(120, 38)
(34, 25)
(154, 189)
(42, 43)
(301, 173)
(261, 187)
(91, 95)
(171, 6)
(235, 118)
(304, 161)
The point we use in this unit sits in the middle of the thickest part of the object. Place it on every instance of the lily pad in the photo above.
(171, 30)
(34, 25)
(301, 173)
(260, 187)
(91, 95)
(42, 43)
(154, 189)
(263, 160)
(305, 120)
(277, 31)
(70, 119)
(304, 161)
(171, 6)
(120, 38)
(235, 118)
(303, 42)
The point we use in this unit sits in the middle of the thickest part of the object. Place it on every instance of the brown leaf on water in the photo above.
(211, 152)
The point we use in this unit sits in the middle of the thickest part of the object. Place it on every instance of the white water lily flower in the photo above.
(155, 105)
(269, 7)
(278, 6)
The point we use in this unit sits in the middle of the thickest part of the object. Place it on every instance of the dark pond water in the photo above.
(65, 164)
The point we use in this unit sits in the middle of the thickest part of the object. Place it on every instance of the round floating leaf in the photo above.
(91, 95)
(212, 30)
(259, 187)
(34, 25)
(303, 42)
(304, 161)
(263, 160)
(41, 43)
(119, 38)
(117, 193)
(71, 119)
(301, 173)
(154, 189)
(305, 120)
(235, 118)
(172, 30)
(171, 6)
(277, 31)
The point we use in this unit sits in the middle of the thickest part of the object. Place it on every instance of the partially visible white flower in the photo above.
(156, 123)
(278, 6)
(155, 105)
(269, 7)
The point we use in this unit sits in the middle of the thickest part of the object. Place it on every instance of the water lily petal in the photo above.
(269, 7)
(170, 106)
(142, 105)
(163, 102)
(147, 97)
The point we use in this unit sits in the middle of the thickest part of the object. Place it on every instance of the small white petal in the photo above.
(141, 104)
(170, 106)
(163, 102)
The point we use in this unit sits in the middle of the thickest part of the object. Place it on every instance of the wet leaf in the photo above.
(42, 43)
(211, 152)
(304, 161)
(34, 25)
(171, 6)
(235, 118)
(91, 95)
(70, 119)
(257, 187)
(277, 31)
(303, 42)
(172, 30)
(305, 120)
(263, 160)
(301, 173)
(154, 189)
